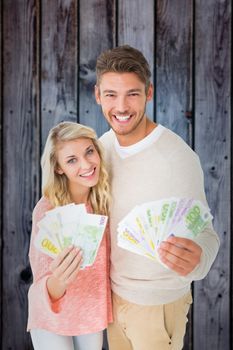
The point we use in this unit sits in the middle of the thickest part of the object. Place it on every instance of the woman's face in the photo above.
(80, 162)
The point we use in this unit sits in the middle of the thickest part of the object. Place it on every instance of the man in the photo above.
(147, 162)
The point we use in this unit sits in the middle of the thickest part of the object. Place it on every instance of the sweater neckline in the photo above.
(128, 151)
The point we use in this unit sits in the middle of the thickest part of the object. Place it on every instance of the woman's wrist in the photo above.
(56, 288)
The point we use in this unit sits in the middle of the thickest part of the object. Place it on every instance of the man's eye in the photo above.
(109, 95)
(134, 94)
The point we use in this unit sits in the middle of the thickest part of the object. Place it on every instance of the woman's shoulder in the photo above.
(41, 207)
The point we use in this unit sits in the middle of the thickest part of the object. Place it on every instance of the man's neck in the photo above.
(137, 135)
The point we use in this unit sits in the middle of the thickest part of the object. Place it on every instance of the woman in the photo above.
(69, 308)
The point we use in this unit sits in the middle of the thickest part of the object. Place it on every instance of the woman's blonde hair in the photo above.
(54, 185)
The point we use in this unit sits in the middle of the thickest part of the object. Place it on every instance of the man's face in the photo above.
(123, 100)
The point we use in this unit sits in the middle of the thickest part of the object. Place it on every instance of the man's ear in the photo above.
(150, 91)
(97, 94)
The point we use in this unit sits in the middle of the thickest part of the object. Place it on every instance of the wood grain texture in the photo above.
(59, 51)
(174, 64)
(212, 143)
(136, 28)
(1, 121)
(20, 164)
(173, 84)
(97, 33)
(47, 70)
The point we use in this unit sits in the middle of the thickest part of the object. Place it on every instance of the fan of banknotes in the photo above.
(71, 225)
(143, 229)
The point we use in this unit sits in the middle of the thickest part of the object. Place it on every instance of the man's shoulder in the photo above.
(174, 137)
(171, 143)
(107, 138)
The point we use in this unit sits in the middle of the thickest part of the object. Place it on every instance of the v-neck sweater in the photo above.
(166, 168)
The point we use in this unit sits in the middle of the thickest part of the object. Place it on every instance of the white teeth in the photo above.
(88, 174)
(121, 119)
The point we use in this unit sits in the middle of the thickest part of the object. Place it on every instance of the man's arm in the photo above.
(191, 259)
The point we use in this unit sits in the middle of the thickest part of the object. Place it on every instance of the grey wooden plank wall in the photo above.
(213, 144)
(1, 152)
(47, 62)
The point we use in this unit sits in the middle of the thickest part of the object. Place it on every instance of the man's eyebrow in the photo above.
(134, 90)
(111, 91)
(128, 91)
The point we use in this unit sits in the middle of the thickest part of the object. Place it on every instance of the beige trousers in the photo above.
(156, 327)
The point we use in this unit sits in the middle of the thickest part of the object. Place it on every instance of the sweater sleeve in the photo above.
(40, 263)
(188, 181)
(209, 243)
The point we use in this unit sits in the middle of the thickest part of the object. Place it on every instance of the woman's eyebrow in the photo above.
(71, 156)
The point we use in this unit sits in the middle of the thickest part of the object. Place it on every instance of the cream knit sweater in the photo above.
(169, 167)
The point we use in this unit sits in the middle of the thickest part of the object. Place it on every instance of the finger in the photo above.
(184, 243)
(178, 259)
(185, 248)
(61, 270)
(59, 259)
(72, 271)
(175, 251)
(173, 257)
(177, 268)
(66, 262)
(76, 266)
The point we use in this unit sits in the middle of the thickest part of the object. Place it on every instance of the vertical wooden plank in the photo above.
(59, 50)
(97, 33)
(136, 28)
(173, 64)
(173, 84)
(20, 164)
(1, 163)
(213, 144)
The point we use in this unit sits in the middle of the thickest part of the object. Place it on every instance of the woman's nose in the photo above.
(84, 163)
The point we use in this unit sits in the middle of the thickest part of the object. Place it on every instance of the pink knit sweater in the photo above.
(85, 307)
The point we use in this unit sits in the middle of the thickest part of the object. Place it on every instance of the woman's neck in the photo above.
(79, 197)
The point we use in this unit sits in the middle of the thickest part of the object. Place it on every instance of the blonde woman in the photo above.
(69, 308)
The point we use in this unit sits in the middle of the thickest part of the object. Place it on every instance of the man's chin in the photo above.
(121, 132)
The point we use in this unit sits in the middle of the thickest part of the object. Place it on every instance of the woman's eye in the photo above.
(71, 161)
(90, 151)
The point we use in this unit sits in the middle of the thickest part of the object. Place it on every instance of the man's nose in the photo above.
(121, 104)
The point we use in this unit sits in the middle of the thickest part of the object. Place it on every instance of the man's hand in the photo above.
(181, 255)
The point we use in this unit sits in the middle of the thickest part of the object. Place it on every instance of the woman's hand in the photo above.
(65, 268)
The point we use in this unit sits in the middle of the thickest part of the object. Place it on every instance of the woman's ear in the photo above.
(59, 171)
